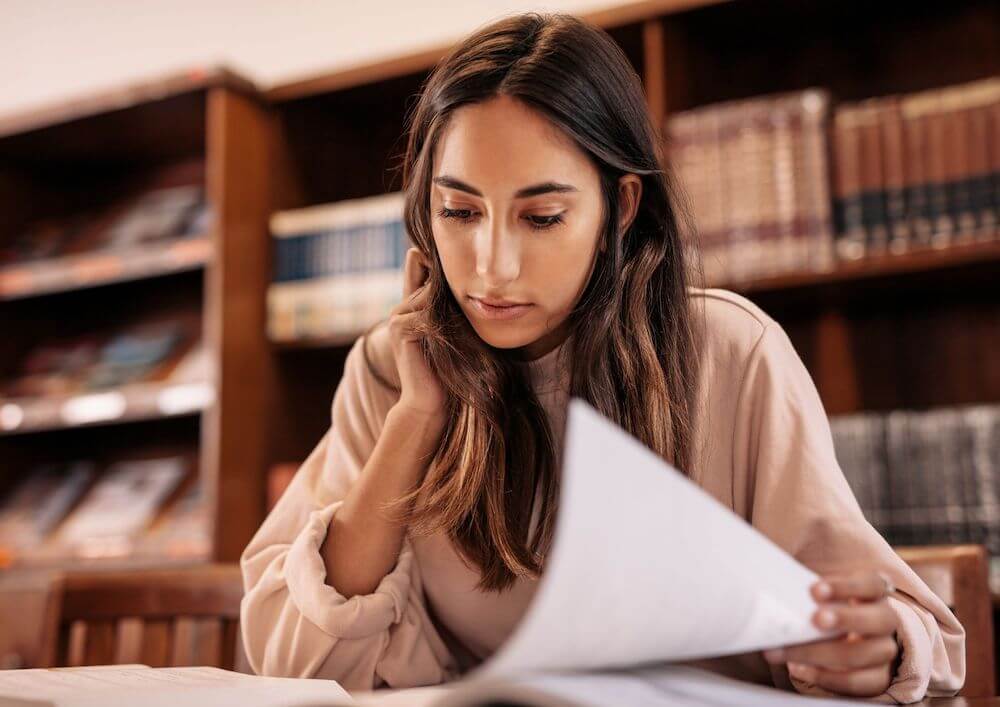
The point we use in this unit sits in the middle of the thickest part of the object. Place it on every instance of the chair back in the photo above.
(160, 618)
(959, 575)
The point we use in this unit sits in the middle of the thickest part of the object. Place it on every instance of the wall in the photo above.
(51, 50)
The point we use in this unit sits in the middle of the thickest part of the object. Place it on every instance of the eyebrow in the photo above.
(533, 190)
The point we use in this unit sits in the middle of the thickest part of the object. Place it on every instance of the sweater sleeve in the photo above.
(797, 495)
(295, 624)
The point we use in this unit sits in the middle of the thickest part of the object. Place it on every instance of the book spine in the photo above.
(764, 238)
(914, 111)
(873, 196)
(980, 192)
(786, 124)
(816, 229)
(943, 226)
(848, 207)
(956, 164)
(895, 176)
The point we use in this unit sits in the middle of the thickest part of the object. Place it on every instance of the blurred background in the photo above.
(200, 214)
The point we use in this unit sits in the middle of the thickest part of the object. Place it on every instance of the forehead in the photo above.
(504, 144)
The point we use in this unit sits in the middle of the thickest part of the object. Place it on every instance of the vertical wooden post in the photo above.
(836, 371)
(235, 430)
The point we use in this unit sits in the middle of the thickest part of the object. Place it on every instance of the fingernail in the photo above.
(774, 655)
(824, 590)
(801, 671)
(826, 618)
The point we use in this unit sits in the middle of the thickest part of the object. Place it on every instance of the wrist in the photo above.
(428, 427)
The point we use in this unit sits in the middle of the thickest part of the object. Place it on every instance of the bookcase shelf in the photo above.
(958, 260)
(89, 163)
(876, 334)
(75, 272)
(128, 403)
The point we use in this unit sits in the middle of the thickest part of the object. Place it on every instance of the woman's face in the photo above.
(516, 212)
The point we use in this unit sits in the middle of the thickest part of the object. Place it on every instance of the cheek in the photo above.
(563, 275)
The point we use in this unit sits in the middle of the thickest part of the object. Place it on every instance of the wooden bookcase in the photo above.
(209, 125)
(912, 331)
(918, 330)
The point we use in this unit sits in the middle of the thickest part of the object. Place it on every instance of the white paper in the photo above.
(129, 686)
(647, 567)
(660, 686)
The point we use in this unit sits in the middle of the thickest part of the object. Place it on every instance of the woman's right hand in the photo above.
(422, 392)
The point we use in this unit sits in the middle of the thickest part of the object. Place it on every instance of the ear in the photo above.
(629, 194)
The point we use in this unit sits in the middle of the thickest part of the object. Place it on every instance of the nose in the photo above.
(498, 255)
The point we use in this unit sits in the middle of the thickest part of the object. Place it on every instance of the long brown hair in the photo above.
(632, 343)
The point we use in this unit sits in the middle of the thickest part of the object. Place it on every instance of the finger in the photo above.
(839, 654)
(863, 584)
(402, 325)
(414, 272)
(416, 300)
(869, 619)
(857, 683)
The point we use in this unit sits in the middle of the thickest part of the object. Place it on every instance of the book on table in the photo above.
(614, 636)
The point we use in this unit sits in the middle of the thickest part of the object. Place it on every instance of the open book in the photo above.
(645, 571)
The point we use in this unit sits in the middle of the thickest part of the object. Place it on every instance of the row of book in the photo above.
(98, 360)
(927, 477)
(165, 206)
(794, 182)
(155, 368)
(150, 507)
(337, 267)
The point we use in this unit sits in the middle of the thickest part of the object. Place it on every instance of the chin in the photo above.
(502, 335)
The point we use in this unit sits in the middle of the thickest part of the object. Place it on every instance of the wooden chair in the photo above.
(160, 618)
(959, 574)
(29, 614)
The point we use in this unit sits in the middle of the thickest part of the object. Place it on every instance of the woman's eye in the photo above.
(462, 215)
(540, 223)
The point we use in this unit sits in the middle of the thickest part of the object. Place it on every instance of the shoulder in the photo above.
(731, 325)
(371, 359)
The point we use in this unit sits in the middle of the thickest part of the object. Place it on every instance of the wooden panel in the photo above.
(654, 64)
(235, 430)
(73, 642)
(99, 643)
(29, 619)
(230, 636)
(129, 641)
(184, 645)
(154, 594)
(856, 49)
(156, 643)
(209, 648)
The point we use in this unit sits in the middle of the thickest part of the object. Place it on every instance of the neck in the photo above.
(543, 345)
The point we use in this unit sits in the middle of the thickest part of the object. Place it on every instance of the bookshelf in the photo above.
(90, 158)
(878, 333)
(882, 333)
(915, 332)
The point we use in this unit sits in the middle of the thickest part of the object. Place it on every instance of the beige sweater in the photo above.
(766, 452)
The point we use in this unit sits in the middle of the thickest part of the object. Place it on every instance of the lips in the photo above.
(499, 302)
(509, 311)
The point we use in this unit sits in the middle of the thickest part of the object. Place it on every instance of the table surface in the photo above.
(962, 702)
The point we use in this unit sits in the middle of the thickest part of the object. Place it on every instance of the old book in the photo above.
(894, 169)
(120, 505)
(35, 506)
(851, 234)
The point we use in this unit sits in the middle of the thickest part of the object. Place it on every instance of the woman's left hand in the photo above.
(861, 662)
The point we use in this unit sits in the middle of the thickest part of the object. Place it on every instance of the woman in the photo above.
(549, 262)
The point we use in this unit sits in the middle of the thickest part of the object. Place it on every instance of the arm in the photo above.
(362, 544)
(785, 465)
(296, 624)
